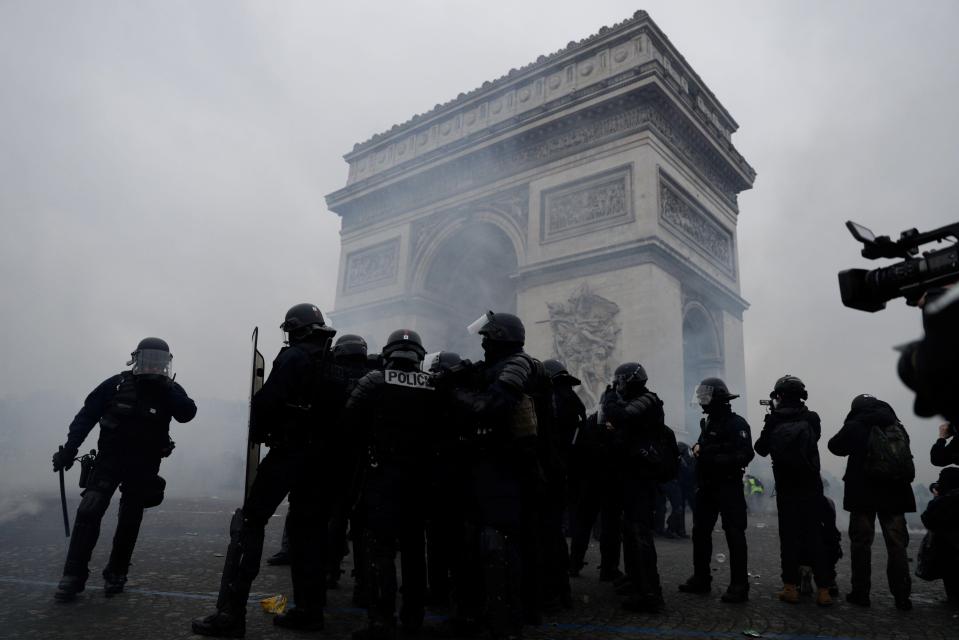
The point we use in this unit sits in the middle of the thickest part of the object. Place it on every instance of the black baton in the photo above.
(63, 498)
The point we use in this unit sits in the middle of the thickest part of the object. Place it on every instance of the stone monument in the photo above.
(593, 192)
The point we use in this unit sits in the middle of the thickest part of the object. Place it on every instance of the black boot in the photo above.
(222, 624)
(300, 619)
(69, 587)
(113, 583)
(697, 584)
(736, 593)
(279, 558)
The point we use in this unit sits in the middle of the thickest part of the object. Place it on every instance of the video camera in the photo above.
(870, 290)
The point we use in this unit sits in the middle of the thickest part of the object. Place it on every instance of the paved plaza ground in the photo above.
(178, 561)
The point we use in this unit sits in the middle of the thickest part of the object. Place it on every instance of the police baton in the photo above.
(63, 498)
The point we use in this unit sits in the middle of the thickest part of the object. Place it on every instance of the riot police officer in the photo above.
(395, 409)
(133, 409)
(298, 402)
(504, 468)
(722, 453)
(647, 455)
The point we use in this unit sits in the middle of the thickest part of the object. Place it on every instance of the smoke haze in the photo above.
(163, 167)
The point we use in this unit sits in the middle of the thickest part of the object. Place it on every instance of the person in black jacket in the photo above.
(133, 409)
(636, 414)
(945, 450)
(865, 498)
(396, 410)
(722, 453)
(790, 436)
(292, 413)
(941, 518)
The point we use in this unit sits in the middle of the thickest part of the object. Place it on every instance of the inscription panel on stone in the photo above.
(680, 212)
(373, 266)
(586, 205)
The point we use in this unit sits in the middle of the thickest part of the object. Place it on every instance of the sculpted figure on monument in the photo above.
(585, 331)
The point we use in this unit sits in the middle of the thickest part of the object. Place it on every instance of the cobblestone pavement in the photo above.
(178, 561)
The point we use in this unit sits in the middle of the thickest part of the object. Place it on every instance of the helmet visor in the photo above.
(152, 362)
(431, 361)
(703, 395)
(477, 325)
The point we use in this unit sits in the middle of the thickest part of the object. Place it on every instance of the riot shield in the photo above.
(253, 447)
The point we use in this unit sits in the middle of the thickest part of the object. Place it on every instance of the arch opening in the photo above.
(471, 271)
(702, 358)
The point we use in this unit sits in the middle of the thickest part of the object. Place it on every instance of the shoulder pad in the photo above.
(516, 371)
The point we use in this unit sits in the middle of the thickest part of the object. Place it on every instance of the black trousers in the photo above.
(715, 498)
(639, 503)
(800, 534)
(284, 471)
(600, 496)
(133, 475)
(392, 505)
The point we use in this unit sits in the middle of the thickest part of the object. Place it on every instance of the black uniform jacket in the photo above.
(863, 493)
(725, 447)
(146, 429)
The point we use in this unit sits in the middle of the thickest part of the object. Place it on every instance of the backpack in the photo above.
(887, 454)
(658, 453)
(789, 446)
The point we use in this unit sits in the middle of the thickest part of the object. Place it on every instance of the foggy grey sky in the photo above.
(163, 167)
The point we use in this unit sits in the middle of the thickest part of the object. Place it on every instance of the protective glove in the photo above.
(63, 459)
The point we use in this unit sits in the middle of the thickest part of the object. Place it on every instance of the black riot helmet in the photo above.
(557, 373)
(500, 327)
(152, 357)
(302, 321)
(444, 361)
(630, 375)
(789, 388)
(712, 391)
(404, 344)
(349, 345)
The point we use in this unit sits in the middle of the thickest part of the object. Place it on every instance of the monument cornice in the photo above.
(647, 105)
(588, 65)
(629, 254)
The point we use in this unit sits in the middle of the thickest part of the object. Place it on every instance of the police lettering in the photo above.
(414, 379)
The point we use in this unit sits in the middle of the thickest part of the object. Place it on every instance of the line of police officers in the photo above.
(489, 443)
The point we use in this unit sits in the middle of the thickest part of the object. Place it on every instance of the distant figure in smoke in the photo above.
(133, 409)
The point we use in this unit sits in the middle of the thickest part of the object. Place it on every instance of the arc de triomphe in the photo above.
(593, 192)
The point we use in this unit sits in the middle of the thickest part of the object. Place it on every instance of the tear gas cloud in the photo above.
(163, 170)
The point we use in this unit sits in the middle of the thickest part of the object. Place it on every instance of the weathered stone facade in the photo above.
(594, 192)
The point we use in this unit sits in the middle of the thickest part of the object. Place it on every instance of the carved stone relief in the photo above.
(544, 146)
(679, 212)
(585, 333)
(373, 266)
(597, 201)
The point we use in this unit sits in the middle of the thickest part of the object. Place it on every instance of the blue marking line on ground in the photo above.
(571, 626)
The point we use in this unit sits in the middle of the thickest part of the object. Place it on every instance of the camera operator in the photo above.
(946, 449)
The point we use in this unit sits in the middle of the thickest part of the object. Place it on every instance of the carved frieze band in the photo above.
(680, 212)
(538, 149)
(372, 267)
(586, 205)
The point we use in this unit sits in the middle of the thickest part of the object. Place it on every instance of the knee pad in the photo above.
(93, 505)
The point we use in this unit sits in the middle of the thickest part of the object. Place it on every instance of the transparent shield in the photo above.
(477, 325)
(429, 360)
(702, 395)
(153, 362)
